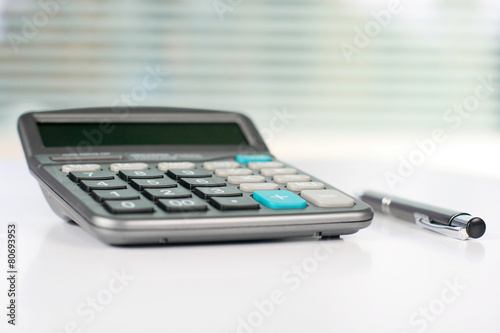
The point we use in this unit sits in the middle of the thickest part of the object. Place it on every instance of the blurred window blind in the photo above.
(254, 56)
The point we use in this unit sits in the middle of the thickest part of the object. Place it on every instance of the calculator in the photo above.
(158, 175)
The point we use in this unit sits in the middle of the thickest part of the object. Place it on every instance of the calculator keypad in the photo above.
(187, 187)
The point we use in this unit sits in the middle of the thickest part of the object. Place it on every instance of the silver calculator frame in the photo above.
(116, 231)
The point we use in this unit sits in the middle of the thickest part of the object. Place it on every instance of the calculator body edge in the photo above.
(177, 228)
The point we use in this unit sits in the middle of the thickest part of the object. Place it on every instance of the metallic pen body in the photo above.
(448, 222)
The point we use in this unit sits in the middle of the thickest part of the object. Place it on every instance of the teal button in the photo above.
(279, 199)
(244, 159)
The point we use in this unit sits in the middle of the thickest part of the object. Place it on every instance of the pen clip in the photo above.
(458, 232)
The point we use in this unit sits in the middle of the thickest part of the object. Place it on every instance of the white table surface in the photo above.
(381, 279)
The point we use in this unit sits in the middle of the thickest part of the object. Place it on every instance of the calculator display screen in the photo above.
(132, 134)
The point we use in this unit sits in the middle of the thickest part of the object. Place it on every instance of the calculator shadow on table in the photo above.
(71, 265)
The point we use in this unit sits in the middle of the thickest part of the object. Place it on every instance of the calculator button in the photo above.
(244, 159)
(165, 166)
(260, 165)
(246, 179)
(188, 173)
(166, 193)
(221, 165)
(115, 167)
(67, 168)
(76, 176)
(234, 203)
(277, 171)
(129, 206)
(201, 182)
(101, 195)
(299, 186)
(291, 178)
(327, 198)
(279, 199)
(141, 184)
(251, 187)
(182, 205)
(112, 184)
(208, 192)
(139, 174)
(232, 172)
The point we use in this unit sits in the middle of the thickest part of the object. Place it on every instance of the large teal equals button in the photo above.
(244, 159)
(279, 199)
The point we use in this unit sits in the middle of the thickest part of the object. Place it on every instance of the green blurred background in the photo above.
(348, 72)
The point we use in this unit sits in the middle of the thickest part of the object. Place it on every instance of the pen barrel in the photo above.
(405, 209)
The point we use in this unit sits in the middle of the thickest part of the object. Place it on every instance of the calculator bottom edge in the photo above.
(136, 237)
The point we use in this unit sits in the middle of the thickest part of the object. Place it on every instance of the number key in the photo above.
(102, 195)
(139, 174)
(182, 205)
(112, 184)
(188, 173)
(208, 192)
(77, 176)
(141, 184)
(201, 182)
(129, 206)
(166, 193)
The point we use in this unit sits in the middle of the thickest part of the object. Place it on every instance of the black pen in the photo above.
(447, 222)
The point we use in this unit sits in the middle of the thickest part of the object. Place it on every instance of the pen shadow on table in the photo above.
(471, 249)
(71, 265)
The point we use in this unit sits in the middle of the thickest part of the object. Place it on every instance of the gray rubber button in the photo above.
(327, 198)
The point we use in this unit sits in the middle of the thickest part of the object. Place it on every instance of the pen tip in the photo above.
(476, 227)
